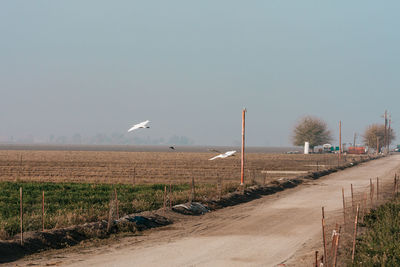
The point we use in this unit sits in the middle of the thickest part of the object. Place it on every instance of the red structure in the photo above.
(356, 150)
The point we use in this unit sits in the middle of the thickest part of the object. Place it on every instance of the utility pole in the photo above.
(355, 136)
(377, 145)
(385, 135)
(242, 158)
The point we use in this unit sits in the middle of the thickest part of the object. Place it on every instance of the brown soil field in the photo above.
(154, 167)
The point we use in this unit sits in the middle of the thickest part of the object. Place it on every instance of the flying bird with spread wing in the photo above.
(225, 155)
(139, 125)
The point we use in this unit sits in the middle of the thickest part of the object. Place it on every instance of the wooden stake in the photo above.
(193, 191)
(110, 211)
(352, 197)
(21, 215)
(42, 210)
(377, 188)
(323, 232)
(165, 198)
(336, 246)
(116, 202)
(334, 238)
(371, 191)
(354, 236)
(344, 208)
(170, 196)
(134, 176)
(316, 258)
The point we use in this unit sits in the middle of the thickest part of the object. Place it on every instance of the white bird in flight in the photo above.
(139, 125)
(225, 155)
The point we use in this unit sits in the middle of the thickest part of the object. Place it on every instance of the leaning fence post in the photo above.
(336, 246)
(354, 236)
(334, 237)
(323, 232)
(21, 216)
(344, 207)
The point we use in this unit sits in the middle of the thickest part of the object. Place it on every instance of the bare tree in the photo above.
(313, 130)
(375, 133)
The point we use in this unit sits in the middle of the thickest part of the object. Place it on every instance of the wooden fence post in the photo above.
(165, 198)
(344, 208)
(377, 188)
(170, 196)
(336, 246)
(134, 176)
(193, 195)
(323, 232)
(333, 245)
(220, 188)
(316, 258)
(21, 215)
(352, 198)
(354, 236)
(42, 210)
(116, 202)
(371, 192)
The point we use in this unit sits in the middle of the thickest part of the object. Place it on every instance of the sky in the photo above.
(190, 67)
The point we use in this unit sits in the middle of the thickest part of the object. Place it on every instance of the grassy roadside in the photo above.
(68, 204)
(379, 245)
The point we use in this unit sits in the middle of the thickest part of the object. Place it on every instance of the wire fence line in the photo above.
(340, 228)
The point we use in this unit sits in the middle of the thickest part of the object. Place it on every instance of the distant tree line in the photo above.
(104, 139)
(315, 131)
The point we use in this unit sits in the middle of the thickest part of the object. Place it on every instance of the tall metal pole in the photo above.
(242, 158)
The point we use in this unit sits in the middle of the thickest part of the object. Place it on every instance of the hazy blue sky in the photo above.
(190, 67)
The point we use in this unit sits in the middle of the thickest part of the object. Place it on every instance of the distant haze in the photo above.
(86, 71)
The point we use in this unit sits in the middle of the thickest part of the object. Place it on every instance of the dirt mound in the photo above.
(61, 238)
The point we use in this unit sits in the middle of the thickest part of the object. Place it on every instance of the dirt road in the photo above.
(265, 232)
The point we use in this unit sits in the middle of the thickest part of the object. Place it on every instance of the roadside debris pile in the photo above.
(191, 208)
